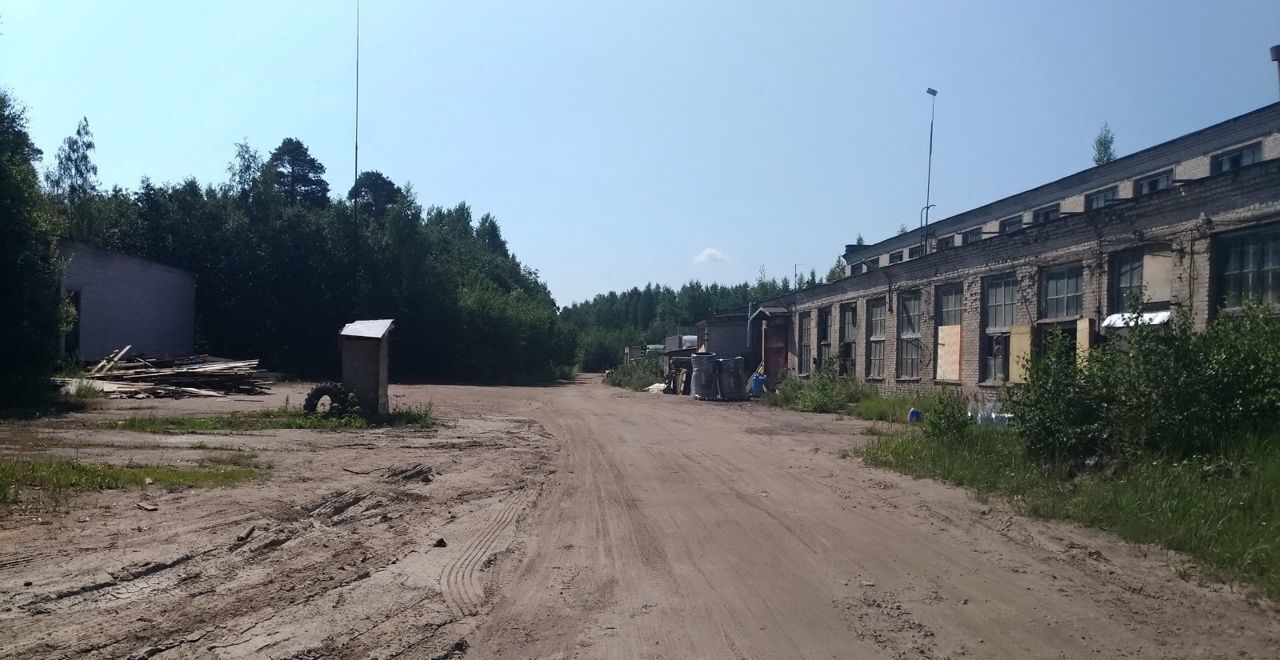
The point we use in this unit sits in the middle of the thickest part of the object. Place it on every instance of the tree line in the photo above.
(280, 263)
(610, 321)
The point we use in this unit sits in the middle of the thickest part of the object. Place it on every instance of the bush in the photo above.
(636, 375)
(948, 417)
(824, 391)
(1160, 389)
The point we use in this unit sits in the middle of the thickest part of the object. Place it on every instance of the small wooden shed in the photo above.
(365, 347)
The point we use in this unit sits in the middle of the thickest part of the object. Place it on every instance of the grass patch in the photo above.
(893, 409)
(54, 479)
(1223, 511)
(824, 391)
(285, 417)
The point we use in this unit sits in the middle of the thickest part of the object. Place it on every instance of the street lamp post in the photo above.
(928, 182)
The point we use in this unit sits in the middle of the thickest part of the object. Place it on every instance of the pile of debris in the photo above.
(196, 375)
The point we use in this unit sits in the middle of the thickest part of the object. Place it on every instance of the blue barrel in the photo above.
(758, 382)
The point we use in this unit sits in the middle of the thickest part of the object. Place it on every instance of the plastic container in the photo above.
(758, 382)
(733, 387)
(705, 384)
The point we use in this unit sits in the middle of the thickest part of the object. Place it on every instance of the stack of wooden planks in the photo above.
(197, 375)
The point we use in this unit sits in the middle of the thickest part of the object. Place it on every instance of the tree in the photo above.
(860, 240)
(244, 169)
(74, 175)
(837, 270)
(902, 229)
(29, 266)
(490, 236)
(374, 193)
(813, 278)
(297, 176)
(1103, 146)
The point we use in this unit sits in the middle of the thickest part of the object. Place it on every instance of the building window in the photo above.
(848, 321)
(1011, 224)
(915, 252)
(972, 235)
(1237, 158)
(895, 257)
(1045, 214)
(1062, 292)
(1126, 279)
(1154, 183)
(1098, 200)
(997, 318)
(909, 335)
(950, 304)
(1249, 268)
(824, 336)
(875, 338)
(806, 354)
(946, 242)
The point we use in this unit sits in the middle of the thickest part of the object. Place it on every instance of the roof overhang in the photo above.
(371, 329)
(1127, 320)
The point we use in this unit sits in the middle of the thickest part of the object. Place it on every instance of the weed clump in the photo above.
(823, 391)
(637, 374)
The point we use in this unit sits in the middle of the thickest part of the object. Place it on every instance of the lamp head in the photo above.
(933, 92)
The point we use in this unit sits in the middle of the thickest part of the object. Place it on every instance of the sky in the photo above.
(620, 143)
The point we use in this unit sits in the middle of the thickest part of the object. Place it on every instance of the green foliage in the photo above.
(948, 418)
(611, 321)
(1104, 146)
(284, 417)
(1161, 389)
(637, 374)
(281, 268)
(824, 391)
(53, 479)
(1221, 510)
(885, 408)
(29, 268)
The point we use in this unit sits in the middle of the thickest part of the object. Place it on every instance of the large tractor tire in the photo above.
(328, 400)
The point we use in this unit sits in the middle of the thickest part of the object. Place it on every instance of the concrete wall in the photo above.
(129, 301)
(1175, 228)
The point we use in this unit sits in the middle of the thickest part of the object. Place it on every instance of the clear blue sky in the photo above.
(615, 141)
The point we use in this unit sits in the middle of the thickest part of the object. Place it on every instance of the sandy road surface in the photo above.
(582, 522)
(679, 529)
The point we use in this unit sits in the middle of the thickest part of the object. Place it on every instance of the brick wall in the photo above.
(1180, 222)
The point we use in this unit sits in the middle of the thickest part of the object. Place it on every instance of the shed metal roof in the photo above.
(371, 329)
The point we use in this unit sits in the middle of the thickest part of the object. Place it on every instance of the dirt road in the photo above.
(582, 521)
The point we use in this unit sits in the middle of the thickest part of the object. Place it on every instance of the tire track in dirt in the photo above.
(459, 581)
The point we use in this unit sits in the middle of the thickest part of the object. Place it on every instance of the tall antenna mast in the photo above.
(355, 166)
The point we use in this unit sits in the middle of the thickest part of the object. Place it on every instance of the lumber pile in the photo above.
(196, 375)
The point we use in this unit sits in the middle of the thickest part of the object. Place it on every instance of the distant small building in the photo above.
(723, 334)
(126, 301)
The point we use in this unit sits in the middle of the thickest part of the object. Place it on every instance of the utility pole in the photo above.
(928, 182)
(1275, 57)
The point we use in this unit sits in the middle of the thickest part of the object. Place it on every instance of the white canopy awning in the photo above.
(1126, 319)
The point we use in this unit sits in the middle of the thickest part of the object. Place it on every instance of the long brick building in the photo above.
(1193, 223)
